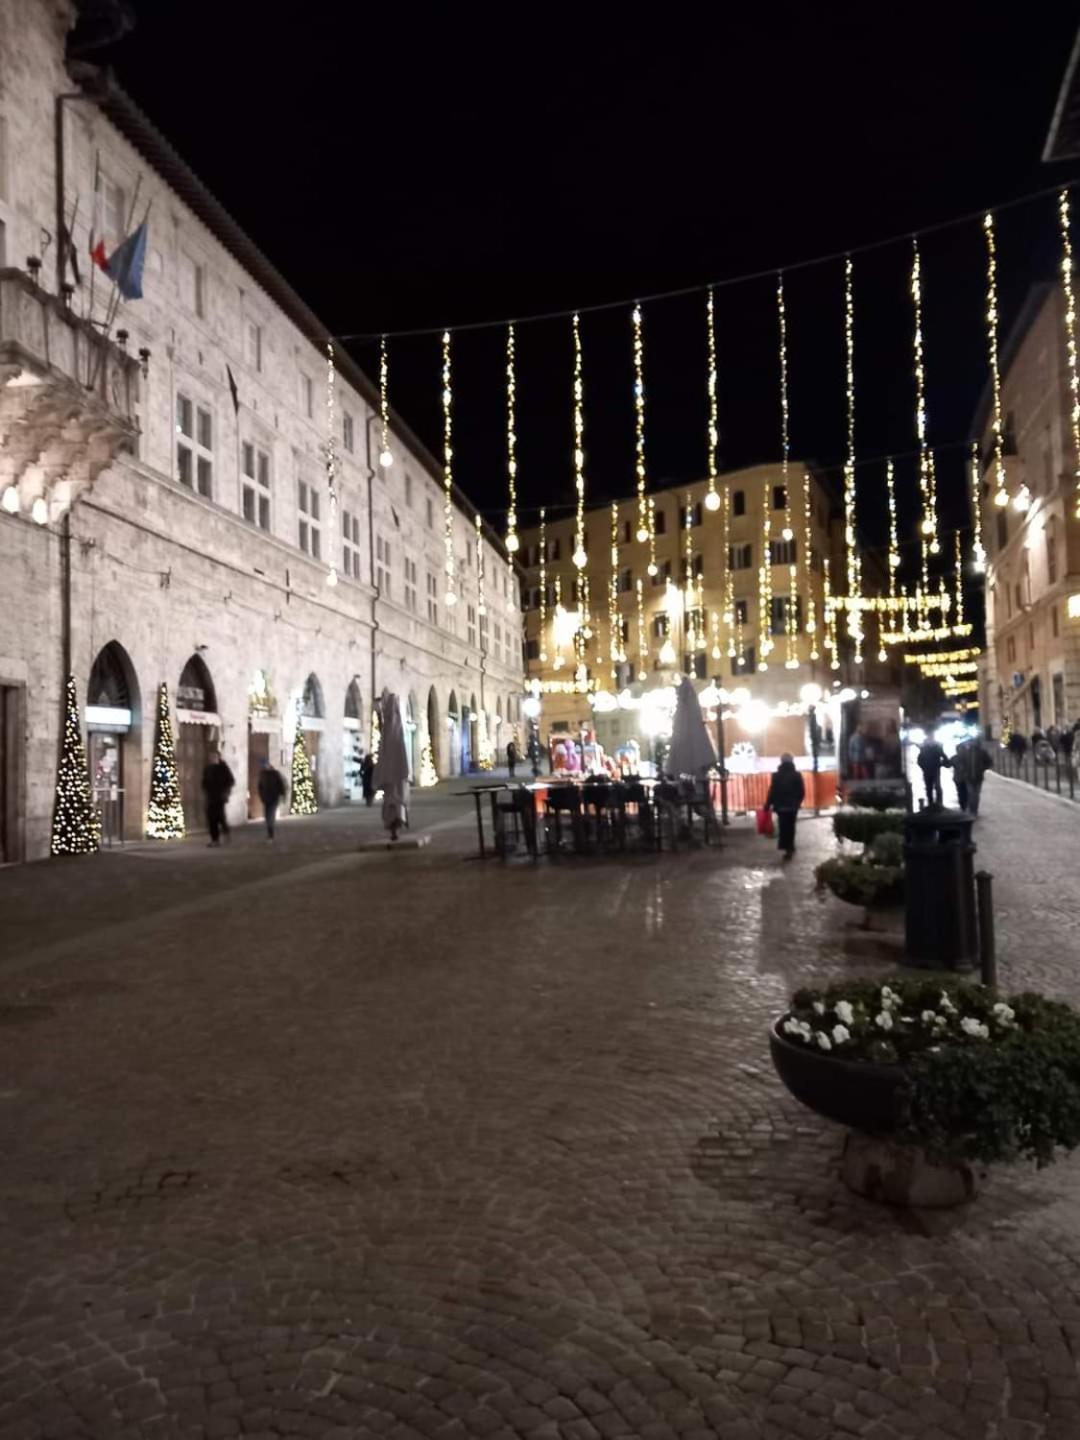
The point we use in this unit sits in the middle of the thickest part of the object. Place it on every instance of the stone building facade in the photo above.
(1030, 675)
(186, 535)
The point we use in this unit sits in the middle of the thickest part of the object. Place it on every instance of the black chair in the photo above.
(637, 805)
(599, 800)
(516, 809)
(563, 800)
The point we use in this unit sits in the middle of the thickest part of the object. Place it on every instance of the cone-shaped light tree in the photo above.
(76, 827)
(165, 813)
(304, 799)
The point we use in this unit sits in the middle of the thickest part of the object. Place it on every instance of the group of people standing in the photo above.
(1054, 743)
(969, 764)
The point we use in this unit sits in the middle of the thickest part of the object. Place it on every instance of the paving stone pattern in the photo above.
(320, 1144)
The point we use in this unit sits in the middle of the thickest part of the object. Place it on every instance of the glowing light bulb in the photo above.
(331, 577)
(451, 598)
(580, 558)
(40, 511)
(10, 499)
(788, 533)
(667, 653)
(642, 534)
(1001, 499)
(386, 459)
(1021, 503)
(653, 568)
(511, 542)
(712, 501)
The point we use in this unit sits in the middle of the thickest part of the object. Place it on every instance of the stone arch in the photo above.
(453, 737)
(411, 720)
(353, 741)
(198, 735)
(114, 741)
(311, 702)
(436, 739)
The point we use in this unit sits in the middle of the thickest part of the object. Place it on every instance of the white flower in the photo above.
(929, 1017)
(946, 1003)
(1004, 1014)
(823, 1040)
(819, 1007)
(840, 1033)
(907, 1019)
(791, 1026)
(889, 998)
(884, 1020)
(971, 1026)
(844, 1013)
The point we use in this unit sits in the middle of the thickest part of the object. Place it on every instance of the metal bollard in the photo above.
(984, 888)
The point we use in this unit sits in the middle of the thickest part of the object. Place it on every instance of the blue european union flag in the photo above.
(125, 264)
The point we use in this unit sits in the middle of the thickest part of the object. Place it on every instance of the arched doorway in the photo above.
(313, 723)
(435, 737)
(412, 737)
(114, 742)
(453, 728)
(198, 734)
(264, 736)
(352, 742)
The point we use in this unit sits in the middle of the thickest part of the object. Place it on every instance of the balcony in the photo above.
(68, 401)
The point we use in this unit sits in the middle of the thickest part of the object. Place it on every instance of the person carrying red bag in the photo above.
(786, 794)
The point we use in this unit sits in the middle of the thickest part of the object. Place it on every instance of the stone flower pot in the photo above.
(869, 1100)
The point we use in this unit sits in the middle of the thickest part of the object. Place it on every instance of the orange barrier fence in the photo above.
(747, 793)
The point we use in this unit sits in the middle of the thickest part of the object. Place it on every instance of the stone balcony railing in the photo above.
(68, 401)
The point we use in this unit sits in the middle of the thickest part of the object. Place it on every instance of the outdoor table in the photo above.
(478, 792)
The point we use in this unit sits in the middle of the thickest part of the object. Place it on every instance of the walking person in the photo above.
(271, 793)
(367, 778)
(970, 765)
(217, 784)
(931, 758)
(787, 791)
(512, 757)
(961, 770)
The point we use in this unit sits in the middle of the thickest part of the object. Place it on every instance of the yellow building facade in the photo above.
(692, 599)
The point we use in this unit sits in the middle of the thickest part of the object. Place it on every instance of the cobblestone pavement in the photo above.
(313, 1143)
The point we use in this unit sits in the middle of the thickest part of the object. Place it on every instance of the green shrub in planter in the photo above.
(860, 881)
(985, 1079)
(869, 798)
(864, 826)
(887, 850)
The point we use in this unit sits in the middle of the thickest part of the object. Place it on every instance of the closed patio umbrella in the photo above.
(691, 750)
(392, 767)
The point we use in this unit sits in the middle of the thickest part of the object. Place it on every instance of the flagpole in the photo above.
(95, 211)
(115, 297)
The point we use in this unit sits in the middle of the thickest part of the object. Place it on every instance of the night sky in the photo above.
(411, 167)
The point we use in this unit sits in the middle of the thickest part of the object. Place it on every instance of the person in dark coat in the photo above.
(271, 793)
(931, 758)
(367, 778)
(217, 783)
(1068, 737)
(787, 792)
(512, 757)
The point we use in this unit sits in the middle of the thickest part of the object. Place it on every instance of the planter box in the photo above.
(855, 1093)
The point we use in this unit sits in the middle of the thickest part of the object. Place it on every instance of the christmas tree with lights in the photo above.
(304, 799)
(76, 827)
(376, 732)
(428, 774)
(165, 813)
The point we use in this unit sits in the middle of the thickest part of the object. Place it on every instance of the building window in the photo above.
(348, 432)
(747, 659)
(408, 489)
(115, 211)
(432, 599)
(1019, 596)
(253, 345)
(783, 552)
(484, 646)
(1054, 622)
(698, 567)
(627, 532)
(410, 585)
(194, 445)
(626, 581)
(779, 497)
(738, 502)
(307, 395)
(696, 664)
(554, 549)
(695, 515)
(193, 285)
(470, 629)
(382, 565)
(350, 544)
(778, 614)
(310, 526)
(661, 626)
(663, 573)
(741, 557)
(742, 612)
(660, 522)
(532, 649)
(1010, 650)
(430, 513)
(498, 642)
(1051, 559)
(255, 485)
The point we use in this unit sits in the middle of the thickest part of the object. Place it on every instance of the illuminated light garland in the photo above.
(76, 822)
(1070, 337)
(929, 665)
(543, 586)
(712, 499)
(642, 637)
(717, 653)
(512, 541)
(165, 811)
(386, 459)
(978, 550)
(1001, 494)
(302, 799)
(699, 629)
(830, 620)
(688, 572)
(331, 465)
(946, 657)
(481, 603)
(927, 481)
(448, 471)
(894, 547)
(615, 654)
(933, 633)
(791, 616)
(557, 662)
(854, 562)
(808, 566)
(643, 527)
(652, 567)
(580, 556)
(729, 579)
(958, 559)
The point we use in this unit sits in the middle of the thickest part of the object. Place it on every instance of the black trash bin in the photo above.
(939, 891)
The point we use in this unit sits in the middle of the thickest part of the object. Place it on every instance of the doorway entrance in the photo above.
(198, 731)
(12, 769)
(113, 735)
(258, 756)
